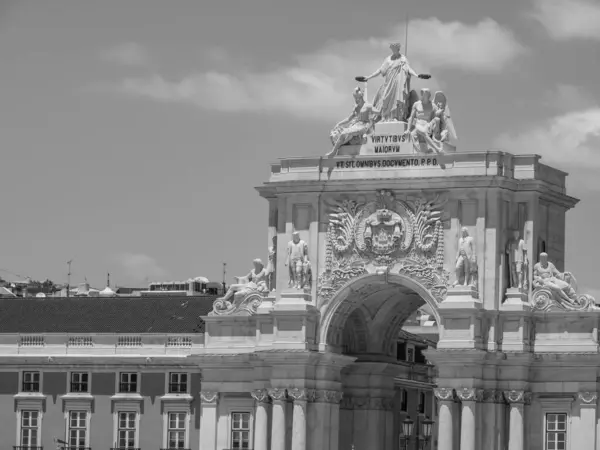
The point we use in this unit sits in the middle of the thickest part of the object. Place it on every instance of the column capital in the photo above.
(209, 397)
(469, 394)
(493, 396)
(587, 398)
(328, 396)
(444, 394)
(302, 395)
(277, 394)
(517, 397)
(260, 395)
(346, 402)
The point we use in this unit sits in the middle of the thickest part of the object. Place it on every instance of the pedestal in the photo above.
(461, 297)
(516, 300)
(293, 299)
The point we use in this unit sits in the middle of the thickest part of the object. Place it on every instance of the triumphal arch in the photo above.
(395, 218)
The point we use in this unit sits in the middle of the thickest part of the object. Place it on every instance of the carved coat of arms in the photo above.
(384, 234)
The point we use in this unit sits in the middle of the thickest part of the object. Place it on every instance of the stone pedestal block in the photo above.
(516, 300)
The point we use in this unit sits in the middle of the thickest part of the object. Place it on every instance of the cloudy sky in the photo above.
(133, 132)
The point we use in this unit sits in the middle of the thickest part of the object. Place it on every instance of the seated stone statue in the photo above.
(355, 126)
(561, 285)
(256, 282)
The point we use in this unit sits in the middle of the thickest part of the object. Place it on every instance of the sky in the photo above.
(134, 132)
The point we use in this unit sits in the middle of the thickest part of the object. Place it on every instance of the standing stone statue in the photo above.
(392, 98)
(297, 260)
(466, 259)
(272, 265)
(517, 258)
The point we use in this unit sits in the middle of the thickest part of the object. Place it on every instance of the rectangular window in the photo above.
(410, 354)
(404, 401)
(240, 430)
(401, 351)
(30, 428)
(176, 430)
(77, 429)
(128, 382)
(31, 382)
(126, 430)
(421, 408)
(178, 383)
(556, 431)
(79, 382)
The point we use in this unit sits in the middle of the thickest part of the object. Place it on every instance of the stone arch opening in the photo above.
(366, 315)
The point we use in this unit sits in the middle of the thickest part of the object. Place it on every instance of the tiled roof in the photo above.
(154, 314)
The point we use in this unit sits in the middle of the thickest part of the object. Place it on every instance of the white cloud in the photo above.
(139, 267)
(318, 85)
(568, 97)
(568, 141)
(127, 54)
(569, 19)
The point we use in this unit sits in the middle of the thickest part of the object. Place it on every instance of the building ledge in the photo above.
(77, 396)
(129, 396)
(29, 396)
(177, 398)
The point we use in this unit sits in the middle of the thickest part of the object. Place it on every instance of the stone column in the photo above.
(208, 420)
(468, 425)
(261, 419)
(324, 420)
(587, 404)
(445, 398)
(301, 398)
(516, 400)
(278, 425)
(491, 423)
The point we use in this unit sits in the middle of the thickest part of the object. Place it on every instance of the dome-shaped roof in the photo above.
(108, 292)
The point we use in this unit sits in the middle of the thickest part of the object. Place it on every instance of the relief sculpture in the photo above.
(388, 234)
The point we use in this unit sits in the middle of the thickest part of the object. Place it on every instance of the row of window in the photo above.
(128, 382)
(177, 430)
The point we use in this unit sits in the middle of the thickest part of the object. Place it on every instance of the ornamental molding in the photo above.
(328, 396)
(209, 397)
(302, 395)
(588, 398)
(277, 394)
(492, 396)
(518, 397)
(469, 394)
(385, 235)
(444, 394)
(260, 395)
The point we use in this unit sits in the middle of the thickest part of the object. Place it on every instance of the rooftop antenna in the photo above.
(107, 279)
(69, 276)
(224, 274)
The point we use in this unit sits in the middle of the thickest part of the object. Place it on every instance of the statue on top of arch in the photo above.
(387, 235)
(429, 122)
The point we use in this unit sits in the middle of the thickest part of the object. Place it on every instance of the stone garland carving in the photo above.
(209, 396)
(246, 295)
(518, 396)
(260, 395)
(277, 394)
(554, 290)
(389, 234)
(302, 395)
(589, 398)
(493, 396)
(444, 394)
(328, 396)
(469, 394)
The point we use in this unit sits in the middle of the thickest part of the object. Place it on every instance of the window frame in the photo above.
(168, 383)
(176, 409)
(20, 411)
(556, 405)
(88, 414)
(249, 430)
(22, 381)
(122, 409)
(118, 382)
(89, 382)
(566, 431)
